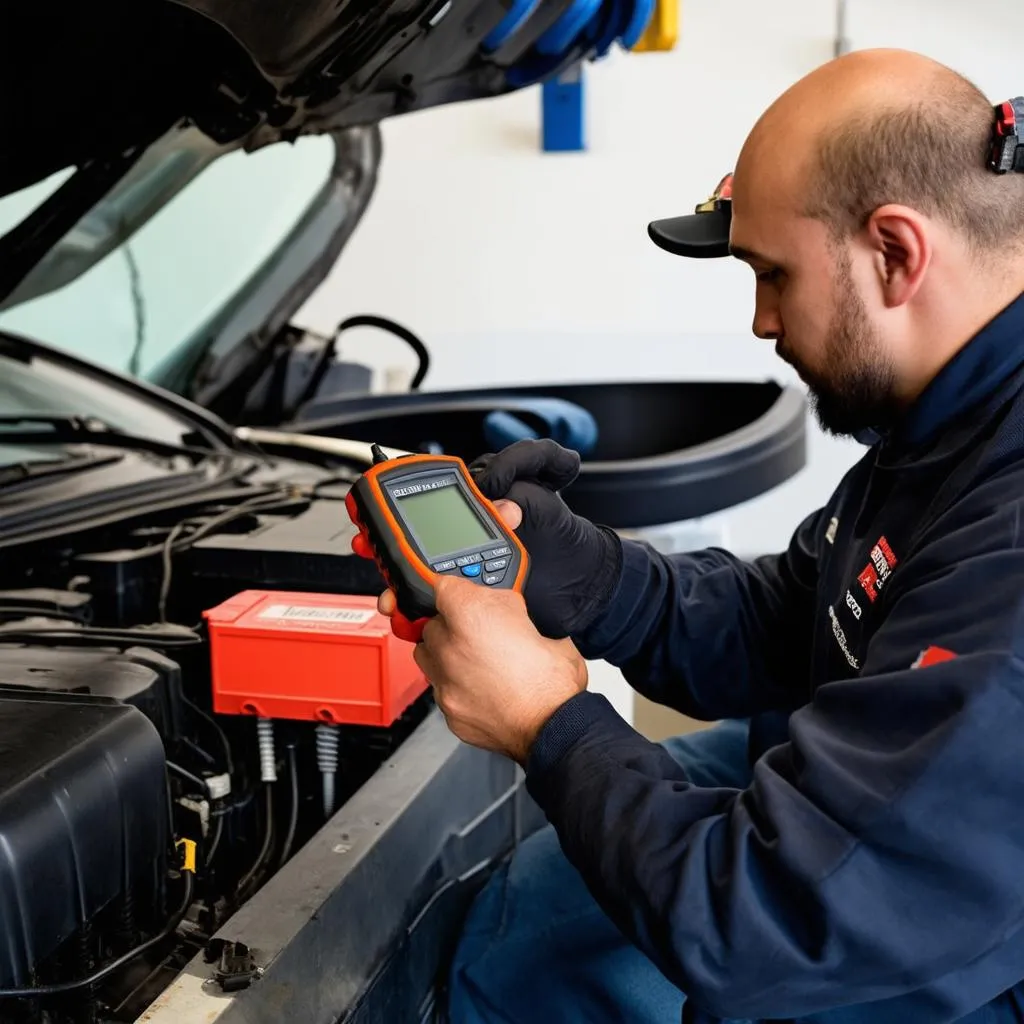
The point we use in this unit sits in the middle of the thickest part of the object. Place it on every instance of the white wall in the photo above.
(492, 249)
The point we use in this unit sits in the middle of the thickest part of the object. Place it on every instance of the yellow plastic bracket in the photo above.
(189, 856)
(662, 31)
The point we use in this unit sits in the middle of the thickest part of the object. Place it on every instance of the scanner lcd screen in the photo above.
(443, 521)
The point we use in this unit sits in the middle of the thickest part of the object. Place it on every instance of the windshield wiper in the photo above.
(86, 430)
(12, 476)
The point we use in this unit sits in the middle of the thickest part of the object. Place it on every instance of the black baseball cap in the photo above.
(703, 234)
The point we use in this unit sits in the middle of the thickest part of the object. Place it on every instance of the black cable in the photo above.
(204, 755)
(268, 833)
(229, 763)
(105, 972)
(174, 544)
(293, 818)
(218, 831)
(138, 308)
(165, 577)
(169, 802)
(238, 805)
(384, 324)
(363, 320)
(340, 477)
(184, 773)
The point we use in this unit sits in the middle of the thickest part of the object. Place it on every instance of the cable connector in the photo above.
(219, 786)
(1006, 152)
(188, 856)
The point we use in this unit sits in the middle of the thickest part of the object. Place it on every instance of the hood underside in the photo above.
(86, 80)
(137, 97)
(105, 86)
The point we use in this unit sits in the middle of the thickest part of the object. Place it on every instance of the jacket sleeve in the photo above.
(710, 634)
(876, 857)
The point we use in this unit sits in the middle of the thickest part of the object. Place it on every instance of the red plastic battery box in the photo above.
(311, 657)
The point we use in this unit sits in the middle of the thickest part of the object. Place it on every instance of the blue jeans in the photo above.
(537, 949)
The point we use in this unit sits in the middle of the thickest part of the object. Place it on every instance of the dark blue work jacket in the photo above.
(874, 869)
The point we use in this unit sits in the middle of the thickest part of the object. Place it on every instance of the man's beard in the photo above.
(854, 391)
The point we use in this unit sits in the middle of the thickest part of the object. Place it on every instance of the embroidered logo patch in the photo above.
(840, 635)
(878, 570)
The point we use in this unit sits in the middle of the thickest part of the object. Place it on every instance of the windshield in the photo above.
(155, 291)
(41, 387)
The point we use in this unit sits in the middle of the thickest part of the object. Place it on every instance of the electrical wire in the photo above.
(138, 308)
(104, 972)
(218, 832)
(229, 763)
(339, 477)
(184, 773)
(268, 834)
(204, 755)
(174, 543)
(237, 805)
(293, 818)
(165, 558)
(363, 320)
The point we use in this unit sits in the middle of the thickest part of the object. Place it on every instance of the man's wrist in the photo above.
(570, 723)
(601, 587)
(535, 722)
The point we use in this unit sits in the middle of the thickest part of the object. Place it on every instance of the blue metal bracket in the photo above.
(563, 112)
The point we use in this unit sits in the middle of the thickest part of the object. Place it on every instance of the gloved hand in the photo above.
(574, 564)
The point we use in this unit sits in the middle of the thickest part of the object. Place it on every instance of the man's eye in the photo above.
(769, 275)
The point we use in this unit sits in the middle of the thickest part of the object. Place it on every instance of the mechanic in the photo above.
(848, 845)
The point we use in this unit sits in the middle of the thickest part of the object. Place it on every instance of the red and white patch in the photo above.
(933, 656)
(874, 575)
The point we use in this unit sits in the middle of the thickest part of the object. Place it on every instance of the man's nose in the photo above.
(767, 322)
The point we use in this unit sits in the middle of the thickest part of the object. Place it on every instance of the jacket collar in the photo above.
(972, 377)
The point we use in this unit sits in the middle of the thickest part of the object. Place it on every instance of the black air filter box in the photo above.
(83, 819)
(140, 677)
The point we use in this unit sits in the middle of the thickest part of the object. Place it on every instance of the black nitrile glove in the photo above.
(574, 565)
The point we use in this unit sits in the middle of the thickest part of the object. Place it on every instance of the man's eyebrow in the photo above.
(747, 255)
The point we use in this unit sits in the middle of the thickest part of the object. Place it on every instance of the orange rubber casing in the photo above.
(309, 657)
(382, 538)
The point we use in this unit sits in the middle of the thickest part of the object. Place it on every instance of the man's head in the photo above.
(879, 239)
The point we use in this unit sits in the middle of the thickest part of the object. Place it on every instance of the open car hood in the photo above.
(140, 95)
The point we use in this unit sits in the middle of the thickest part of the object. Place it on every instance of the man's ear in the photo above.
(899, 239)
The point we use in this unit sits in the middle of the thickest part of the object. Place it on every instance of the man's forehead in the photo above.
(766, 208)
(752, 229)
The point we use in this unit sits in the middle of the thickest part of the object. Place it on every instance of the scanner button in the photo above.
(472, 570)
(444, 566)
(497, 553)
(467, 560)
(494, 578)
(501, 563)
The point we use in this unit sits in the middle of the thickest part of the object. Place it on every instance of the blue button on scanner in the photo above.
(472, 570)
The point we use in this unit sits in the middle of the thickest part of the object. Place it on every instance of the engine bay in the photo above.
(135, 817)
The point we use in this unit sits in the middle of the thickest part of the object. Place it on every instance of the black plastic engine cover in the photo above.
(309, 551)
(140, 677)
(83, 819)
